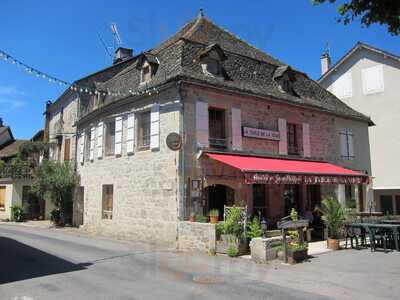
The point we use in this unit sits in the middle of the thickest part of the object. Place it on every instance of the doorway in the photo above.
(259, 201)
(33, 206)
(217, 196)
(387, 204)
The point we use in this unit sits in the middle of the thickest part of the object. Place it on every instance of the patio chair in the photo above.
(352, 233)
(381, 238)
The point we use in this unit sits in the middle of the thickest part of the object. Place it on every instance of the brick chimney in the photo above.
(325, 62)
(122, 54)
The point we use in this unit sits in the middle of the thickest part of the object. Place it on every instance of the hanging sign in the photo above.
(261, 133)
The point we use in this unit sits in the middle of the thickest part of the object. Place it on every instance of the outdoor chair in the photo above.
(352, 233)
(380, 238)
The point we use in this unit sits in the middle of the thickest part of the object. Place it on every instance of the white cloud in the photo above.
(10, 98)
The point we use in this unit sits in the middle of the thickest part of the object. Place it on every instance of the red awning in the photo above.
(276, 170)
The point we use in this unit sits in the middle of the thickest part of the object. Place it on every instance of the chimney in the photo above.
(325, 62)
(122, 54)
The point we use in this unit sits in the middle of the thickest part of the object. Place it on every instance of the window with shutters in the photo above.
(343, 86)
(143, 131)
(372, 80)
(293, 148)
(110, 138)
(346, 144)
(2, 197)
(108, 194)
(217, 133)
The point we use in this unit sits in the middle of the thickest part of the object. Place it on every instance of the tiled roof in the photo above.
(11, 149)
(246, 68)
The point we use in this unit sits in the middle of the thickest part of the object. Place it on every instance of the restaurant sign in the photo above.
(261, 133)
(268, 178)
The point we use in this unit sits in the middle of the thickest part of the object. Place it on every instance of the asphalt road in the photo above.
(57, 264)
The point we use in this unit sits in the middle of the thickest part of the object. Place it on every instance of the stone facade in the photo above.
(145, 184)
(196, 236)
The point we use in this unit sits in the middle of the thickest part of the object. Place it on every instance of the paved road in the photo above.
(56, 264)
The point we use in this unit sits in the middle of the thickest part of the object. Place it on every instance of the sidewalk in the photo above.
(35, 224)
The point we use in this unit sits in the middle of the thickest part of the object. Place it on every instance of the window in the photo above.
(146, 73)
(88, 136)
(343, 86)
(107, 201)
(346, 144)
(67, 149)
(372, 80)
(143, 141)
(2, 197)
(110, 138)
(386, 204)
(292, 139)
(216, 119)
(211, 66)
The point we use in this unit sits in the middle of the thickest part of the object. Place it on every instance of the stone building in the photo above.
(366, 78)
(244, 128)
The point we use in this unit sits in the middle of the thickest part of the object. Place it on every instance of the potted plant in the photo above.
(230, 233)
(334, 216)
(213, 214)
(296, 249)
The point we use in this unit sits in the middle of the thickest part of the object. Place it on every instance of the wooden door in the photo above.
(67, 149)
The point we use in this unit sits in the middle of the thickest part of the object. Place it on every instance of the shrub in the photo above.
(232, 251)
(233, 222)
(254, 228)
(17, 213)
(333, 215)
(55, 215)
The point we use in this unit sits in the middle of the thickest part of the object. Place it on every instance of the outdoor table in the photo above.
(372, 227)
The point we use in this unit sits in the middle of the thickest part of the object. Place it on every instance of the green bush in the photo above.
(17, 213)
(254, 228)
(232, 251)
(333, 215)
(232, 224)
(55, 215)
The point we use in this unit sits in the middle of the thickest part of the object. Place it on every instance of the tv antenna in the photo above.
(117, 37)
(106, 48)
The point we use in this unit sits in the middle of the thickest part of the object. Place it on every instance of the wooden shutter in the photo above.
(118, 136)
(306, 140)
(100, 132)
(155, 127)
(82, 148)
(343, 144)
(282, 127)
(130, 135)
(67, 149)
(92, 137)
(236, 129)
(202, 130)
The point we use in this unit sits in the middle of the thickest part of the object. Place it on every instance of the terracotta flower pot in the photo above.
(333, 244)
(213, 219)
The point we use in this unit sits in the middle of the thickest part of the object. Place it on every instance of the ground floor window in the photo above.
(259, 200)
(108, 194)
(291, 198)
(2, 197)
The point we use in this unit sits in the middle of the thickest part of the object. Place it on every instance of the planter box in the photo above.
(228, 240)
(296, 256)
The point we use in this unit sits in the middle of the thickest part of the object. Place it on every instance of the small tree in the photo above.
(333, 215)
(55, 182)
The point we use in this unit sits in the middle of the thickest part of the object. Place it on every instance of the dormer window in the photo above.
(148, 65)
(211, 60)
(285, 78)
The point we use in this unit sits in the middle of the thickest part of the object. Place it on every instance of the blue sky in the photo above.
(61, 38)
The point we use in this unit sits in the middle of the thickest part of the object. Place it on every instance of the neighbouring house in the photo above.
(201, 121)
(366, 79)
(16, 182)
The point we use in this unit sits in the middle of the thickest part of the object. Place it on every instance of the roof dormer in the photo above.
(285, 77)
(147, 64)
(211, 59)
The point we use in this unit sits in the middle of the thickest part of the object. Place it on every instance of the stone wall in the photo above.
(196, 236)
(145, 184)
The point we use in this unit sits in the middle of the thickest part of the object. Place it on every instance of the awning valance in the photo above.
(265, 170)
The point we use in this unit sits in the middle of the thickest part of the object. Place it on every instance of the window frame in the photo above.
(107, 214)
(107, 143)
(347, 132)
(293, 149)
(217, 140)
(86, 146)
(143, 140)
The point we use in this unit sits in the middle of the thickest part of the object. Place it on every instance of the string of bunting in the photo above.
(73, 86)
